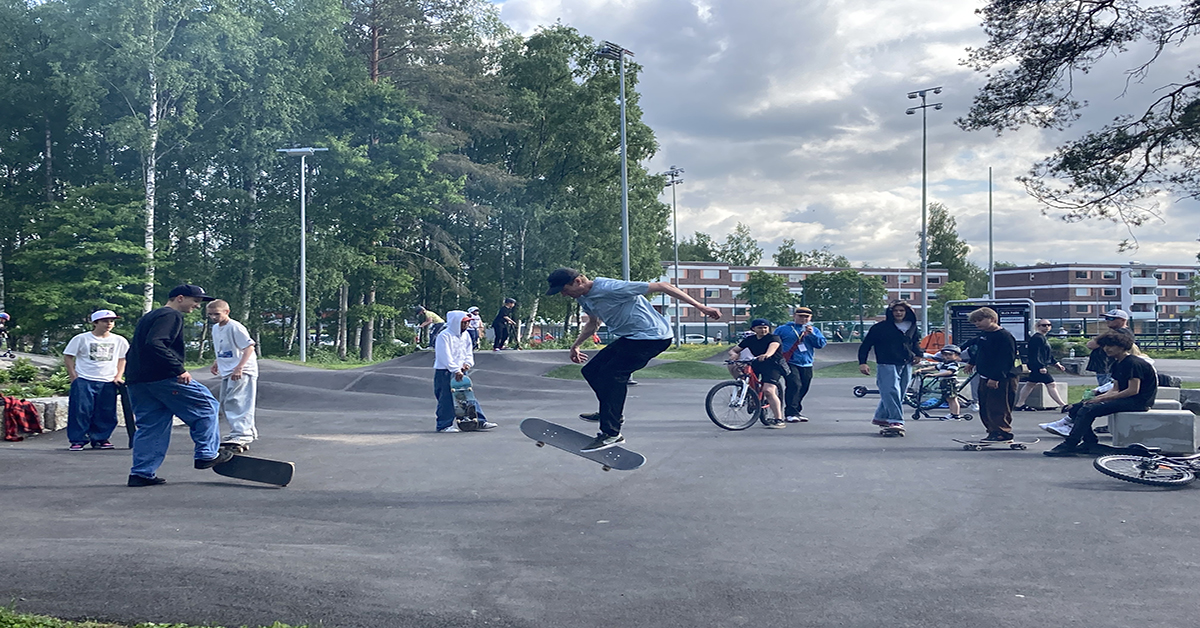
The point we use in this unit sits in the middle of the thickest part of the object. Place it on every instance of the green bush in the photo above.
(23, 370)
(405, 335)
(14, 390)
(1061, 347)
(59, 381)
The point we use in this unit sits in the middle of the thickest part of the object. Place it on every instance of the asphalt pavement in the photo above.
(390, 524)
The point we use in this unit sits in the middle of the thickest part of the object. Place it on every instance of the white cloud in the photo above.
(788, 115)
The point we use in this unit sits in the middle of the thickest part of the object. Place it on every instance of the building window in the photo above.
(1137, 273)
(1109, 292)
(683, 312)
(1158, 276)
(1160, 292)
(1083, 309)
(906, 296)
(1184, 292)
(712, 293)
(739, 311)
(795, 278)
(710, 274)
(1082, 274)
(1083, 292)
(1183, 276)
(739, 277)
(905, 278)
(1109, 274)
(933, 280)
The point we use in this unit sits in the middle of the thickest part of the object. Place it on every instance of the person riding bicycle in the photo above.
(946, 369)
(768, 365)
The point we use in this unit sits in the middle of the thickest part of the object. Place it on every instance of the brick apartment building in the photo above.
(719, 283)
(1082, 291)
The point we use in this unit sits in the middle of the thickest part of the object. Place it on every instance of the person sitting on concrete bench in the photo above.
(1137, 384)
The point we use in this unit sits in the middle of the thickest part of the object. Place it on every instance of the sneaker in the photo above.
(1061, 427)
(495, 349)
(141, 480)
(591, 416)
(102, 445)
(223, 455)
(792, 419)
(803, 419)
(951, 417)
(775, 424)
(75, 447)
(1063, 450)
(880, 423)
(602, 442)
(998, 437)
(449, 430)
(237, 448)
(487, 425)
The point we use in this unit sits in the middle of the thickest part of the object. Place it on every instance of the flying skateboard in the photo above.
(254, 469)
(465, 404)
(892, 431)
(127, 412)
(980, 445)
(547, 433)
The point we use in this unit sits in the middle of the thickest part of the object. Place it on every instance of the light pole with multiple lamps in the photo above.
(609, 50)
(302, 153)
(674, 173)
(921, 93)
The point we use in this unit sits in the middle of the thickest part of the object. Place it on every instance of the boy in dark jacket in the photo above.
(897, 345)
(995, 359)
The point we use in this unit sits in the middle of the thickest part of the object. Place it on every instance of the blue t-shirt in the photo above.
(624, 308)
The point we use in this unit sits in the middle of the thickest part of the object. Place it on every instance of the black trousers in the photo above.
(1085, 414)
(501, 332)
(797, 382)
(608, 374)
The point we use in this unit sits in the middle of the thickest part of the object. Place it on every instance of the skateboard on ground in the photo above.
(254, 469)
(127, 412)
(891, 431)
(464, 404)
(979, 445)
(547, 433)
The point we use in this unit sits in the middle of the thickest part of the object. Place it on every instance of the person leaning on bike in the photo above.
(768, 364)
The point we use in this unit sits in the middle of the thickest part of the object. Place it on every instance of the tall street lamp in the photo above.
(924, 205)
(674, 173)
(302, 153)
(609, 50)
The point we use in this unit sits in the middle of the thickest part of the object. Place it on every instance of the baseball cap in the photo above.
(189, 290)
(1117, 314)
(472, 310)
(760, 321)
(803, 310)
(950, 348)
(560, 278)
(102, 314)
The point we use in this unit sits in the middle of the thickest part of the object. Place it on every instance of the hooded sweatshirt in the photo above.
(453, 347)
(891, 345)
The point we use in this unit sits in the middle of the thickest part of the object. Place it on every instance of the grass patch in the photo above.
(12, 619)
(1173, 354)
(566, 371)
(693, 353)
(845, 369)
(670, 370)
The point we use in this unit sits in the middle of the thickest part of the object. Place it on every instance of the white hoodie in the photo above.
(453, 347)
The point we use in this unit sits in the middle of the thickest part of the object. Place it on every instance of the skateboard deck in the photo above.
(547, 433)
(127, 412)
(891, 431)
(254, 469)
(464, 404)
(979, 445)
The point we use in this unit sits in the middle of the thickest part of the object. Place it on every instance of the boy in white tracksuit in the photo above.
(453, 358)
(237, 365)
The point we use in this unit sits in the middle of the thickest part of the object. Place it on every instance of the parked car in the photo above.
(697, 339)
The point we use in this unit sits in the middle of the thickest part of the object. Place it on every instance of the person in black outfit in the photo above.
(1136, 387)
(768, 365)
(1039, 358)
(1098, 362)
(897, 345)
(160, 388)
(995, 359)
(504, 324)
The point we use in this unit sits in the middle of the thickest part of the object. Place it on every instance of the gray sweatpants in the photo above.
(237, 408)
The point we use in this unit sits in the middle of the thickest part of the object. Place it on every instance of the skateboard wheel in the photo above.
(1020, 447)
(977, 447)
(541, 444)
(966, 448)
(606, 468)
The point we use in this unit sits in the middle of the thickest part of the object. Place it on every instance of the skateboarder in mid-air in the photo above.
(453, 357)
(641, 333)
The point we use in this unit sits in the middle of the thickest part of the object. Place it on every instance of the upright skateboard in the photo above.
(254, 469)
(464, 404)
(979, 445)
(547, 433)
(127, 412)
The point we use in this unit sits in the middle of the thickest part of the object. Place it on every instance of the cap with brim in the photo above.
(560, 278)
(759, 322)
(189, 290)
(951, 348)
(100, 315)
(1117, 314)
(803, 310)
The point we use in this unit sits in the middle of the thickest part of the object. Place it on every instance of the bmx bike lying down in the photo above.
(1147, 465)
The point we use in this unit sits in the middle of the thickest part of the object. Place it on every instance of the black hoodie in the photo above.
(891, 345)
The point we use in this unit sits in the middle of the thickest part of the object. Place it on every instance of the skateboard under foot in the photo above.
(980, 445)
(891, 431)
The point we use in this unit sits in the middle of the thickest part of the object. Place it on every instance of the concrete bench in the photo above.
(1166, 404)
(1040, 397)
(1175, 431)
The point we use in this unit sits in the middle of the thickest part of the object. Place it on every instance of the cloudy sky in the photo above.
(788, 115)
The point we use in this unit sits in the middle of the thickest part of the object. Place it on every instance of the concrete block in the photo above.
(1040, 397)
(1168, 393)
(1166, 404)
(52, 412)
(1175, 431)
(1190, 399)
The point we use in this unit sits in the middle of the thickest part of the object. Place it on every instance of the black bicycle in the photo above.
(1147, 465)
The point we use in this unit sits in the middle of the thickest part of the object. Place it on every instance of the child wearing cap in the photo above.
(95, 362)
(474, 327)
(948, 358)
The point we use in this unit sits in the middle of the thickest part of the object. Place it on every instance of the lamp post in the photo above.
(921, 93)
(609, 50)
(302, 153)
(674, 173)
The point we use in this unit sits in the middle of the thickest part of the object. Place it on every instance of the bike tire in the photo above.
(725, 413)
(1143, 470)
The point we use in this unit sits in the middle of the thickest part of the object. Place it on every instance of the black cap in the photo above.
(560, 278)
(188, 290)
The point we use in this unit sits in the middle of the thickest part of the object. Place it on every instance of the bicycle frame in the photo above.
(750, 382)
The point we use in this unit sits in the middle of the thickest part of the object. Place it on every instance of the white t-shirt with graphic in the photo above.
(95, 357)
(230, 341)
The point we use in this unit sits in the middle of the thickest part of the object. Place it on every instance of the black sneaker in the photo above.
(1063, 450)
(602, 442)
(141, 480)
(223, 455)
(591, 416)
(998, 437)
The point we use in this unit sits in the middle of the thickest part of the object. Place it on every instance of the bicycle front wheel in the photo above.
(727, 407)
(1142, 470)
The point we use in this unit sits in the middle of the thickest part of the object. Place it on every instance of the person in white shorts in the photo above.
(95, 362)
(237, 365)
